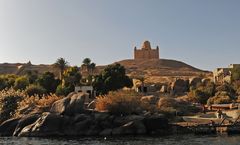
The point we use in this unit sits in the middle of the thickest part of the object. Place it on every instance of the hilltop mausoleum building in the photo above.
(146, 52)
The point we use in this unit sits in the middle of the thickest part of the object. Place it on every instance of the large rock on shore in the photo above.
(25, 121)
(7, 127)
(156, 124)
(72, 104)
(91, 124)
(47, 125)
(135, 127)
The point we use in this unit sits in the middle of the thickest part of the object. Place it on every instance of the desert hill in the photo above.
(23, 68)
(153, 70)
(160, 70)
(162, 67)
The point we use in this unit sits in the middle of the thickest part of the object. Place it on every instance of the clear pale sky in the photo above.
(202, 33)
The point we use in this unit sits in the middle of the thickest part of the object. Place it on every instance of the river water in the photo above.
(169, 140)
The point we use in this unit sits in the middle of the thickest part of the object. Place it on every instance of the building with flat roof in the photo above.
(221, 75)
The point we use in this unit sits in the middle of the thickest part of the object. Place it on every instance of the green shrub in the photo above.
(9, 100)
(3, 83)
(35, 90)
(7, 81)
(21, 83)
(48, 82)
(63, 90)
(112, 78)
(120, 102)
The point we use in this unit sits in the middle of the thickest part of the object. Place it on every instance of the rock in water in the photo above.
(7, 128)
(135, 127)
(47, 125)
(72, 104)
(25, 121)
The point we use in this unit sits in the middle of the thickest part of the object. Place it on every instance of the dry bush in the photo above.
(16, 103)
(219, 99)
(46, 101)
(149, 103)
(119, 102)
(171, 106)
(187, 98)
(102, 102)
(43, 101)
(34, 104)
(167, 102)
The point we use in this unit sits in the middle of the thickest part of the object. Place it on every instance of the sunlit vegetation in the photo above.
(120, 102)
(171, 107)
(15, 103)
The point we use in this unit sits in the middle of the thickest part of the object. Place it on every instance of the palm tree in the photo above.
(86, 61)
(92, 66)
(89, 67)
(61, 64)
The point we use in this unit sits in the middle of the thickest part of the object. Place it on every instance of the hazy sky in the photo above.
(202, 33)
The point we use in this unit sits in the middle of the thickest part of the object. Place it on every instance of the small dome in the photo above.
(146, 45)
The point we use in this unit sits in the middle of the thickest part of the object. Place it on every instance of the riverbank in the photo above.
(88, 124)
(68, 117)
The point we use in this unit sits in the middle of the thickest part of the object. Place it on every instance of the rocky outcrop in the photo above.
(47, 125)
(25, 121)
(156, 124)
(68, 117)
(92, 105)
(72, 104)
(91, 124)
(130, 128)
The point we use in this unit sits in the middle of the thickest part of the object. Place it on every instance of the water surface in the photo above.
(169, 140)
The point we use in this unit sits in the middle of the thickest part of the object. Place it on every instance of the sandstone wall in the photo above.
(146, 54)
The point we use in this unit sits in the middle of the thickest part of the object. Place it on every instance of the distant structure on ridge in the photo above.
(146, 52)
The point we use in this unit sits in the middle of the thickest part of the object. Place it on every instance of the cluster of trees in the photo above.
(113, 77)
(31, 82)
(210, 93)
